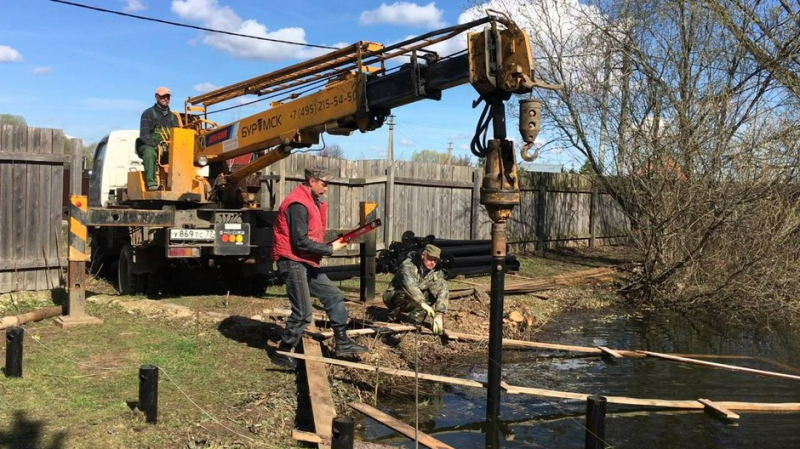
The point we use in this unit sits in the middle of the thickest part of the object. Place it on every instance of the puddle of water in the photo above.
(456, 417)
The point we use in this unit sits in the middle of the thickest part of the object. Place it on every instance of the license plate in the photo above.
(191, 234)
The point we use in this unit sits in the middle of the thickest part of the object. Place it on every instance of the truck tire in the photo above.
(127, 282)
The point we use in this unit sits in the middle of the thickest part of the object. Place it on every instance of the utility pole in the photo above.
(388, 203)
(449, 152)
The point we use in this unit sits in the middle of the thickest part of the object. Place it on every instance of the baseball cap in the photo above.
(163, 91)
(433, 251)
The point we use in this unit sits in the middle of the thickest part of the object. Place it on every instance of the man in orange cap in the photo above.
(155, 125)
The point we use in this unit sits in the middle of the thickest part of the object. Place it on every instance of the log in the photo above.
(36, 315)
(721, 365)
(399, 426)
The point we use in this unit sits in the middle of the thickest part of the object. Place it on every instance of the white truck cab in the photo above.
(114, 157)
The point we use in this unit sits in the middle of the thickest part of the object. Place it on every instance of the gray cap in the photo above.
(318, 172)
(433, 251)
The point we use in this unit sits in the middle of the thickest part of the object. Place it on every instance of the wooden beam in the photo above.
(389, 371)
(721, 365)
(717, 408)
(311, 437)
(509, 343)
(57, 159)
(610, 352)
(319, 390)
(399, 426)
(663, 403)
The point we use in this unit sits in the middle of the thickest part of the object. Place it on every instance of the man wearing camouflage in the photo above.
(419, 289)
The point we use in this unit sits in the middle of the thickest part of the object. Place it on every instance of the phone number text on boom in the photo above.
(321, 105)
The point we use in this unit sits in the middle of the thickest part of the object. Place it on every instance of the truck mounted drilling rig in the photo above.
(209, 215)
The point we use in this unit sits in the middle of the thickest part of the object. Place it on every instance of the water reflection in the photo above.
(456, 417)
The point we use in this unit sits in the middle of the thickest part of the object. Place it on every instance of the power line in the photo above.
(210, 30)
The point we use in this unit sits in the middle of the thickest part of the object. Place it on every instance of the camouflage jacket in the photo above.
(432, 287)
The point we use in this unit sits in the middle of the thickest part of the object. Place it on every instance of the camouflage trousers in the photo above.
(400, 304)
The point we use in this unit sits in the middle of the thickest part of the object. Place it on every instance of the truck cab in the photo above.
(114, 157)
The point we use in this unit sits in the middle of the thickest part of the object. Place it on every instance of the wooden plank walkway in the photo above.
(319, 390)
(511, 389)
(399, 426)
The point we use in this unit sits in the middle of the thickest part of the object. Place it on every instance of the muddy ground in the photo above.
(217, 387)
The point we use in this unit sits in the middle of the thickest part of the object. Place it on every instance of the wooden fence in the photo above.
(32, 163)
(443, 200)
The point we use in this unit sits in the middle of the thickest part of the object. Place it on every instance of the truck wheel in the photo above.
(99, 265)
(126, 280)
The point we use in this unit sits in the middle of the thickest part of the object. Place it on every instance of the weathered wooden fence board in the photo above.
(31, 182)
(441, 200)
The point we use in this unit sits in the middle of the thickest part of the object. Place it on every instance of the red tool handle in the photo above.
(359, 231)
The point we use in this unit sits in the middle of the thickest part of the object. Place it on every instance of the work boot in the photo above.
(284, 360)
(345, 346)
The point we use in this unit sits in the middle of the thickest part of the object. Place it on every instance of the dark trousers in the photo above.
(302, 281)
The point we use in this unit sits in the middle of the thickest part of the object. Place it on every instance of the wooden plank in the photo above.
(610, 352)
(717, 408)
(389, 371)
(55, 159)
(399, 426)
(721, 365)
(310, 437)
(30, 264)
(523, 344)
(319, 389)
(512, 389)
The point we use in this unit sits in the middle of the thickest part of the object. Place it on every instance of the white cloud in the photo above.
(463, 147)
(42, 70)
(405, 14)
(212, 15)
(204, 87)
(133, 6)
(407, 143)
(8, 54)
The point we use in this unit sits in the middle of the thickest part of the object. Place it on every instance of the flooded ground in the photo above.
(457, 416)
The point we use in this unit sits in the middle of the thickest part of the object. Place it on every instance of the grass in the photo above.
(217, 388)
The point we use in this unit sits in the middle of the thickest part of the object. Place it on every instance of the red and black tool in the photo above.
(358, 232)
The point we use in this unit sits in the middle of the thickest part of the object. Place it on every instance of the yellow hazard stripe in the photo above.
(77, 228)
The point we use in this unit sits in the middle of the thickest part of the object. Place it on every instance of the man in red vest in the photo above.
(298, 247)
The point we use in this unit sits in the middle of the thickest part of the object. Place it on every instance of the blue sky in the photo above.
(89, 72)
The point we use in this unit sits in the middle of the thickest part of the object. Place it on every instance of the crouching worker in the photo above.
(298, 248)
(419, 290)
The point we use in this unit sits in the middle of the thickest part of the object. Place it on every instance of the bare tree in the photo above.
(332, 151)
(694, 137)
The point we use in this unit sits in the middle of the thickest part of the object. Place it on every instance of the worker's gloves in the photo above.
(428, 309)
(338, 244)
(438, 325)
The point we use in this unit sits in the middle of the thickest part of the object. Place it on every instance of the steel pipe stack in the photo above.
(459, 257)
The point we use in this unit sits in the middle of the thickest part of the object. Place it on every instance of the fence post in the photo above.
(541, 212)
(388, 206)
(593, 214)
(148, 392)
(75, 168)
(595, 422)
(367, 249)
(474, 228)
(75, 309)
(343, 431)
(14, 337)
